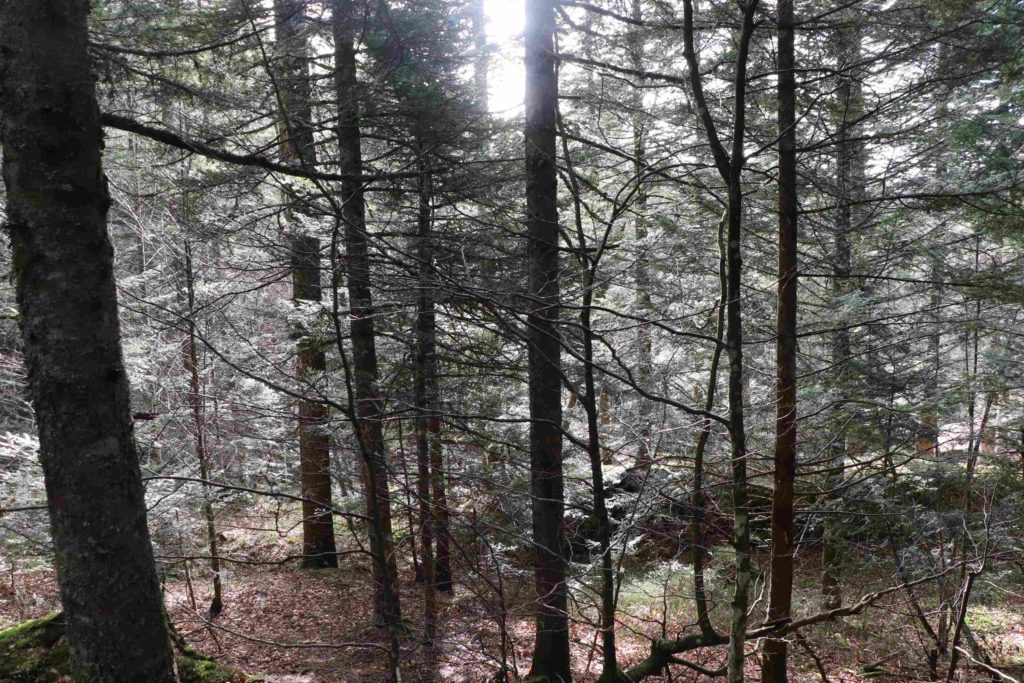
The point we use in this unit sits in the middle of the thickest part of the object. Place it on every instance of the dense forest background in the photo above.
(706, 362)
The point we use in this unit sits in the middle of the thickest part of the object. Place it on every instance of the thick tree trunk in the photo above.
(63, 268)
(318, 545)
(298, 146)
(365, 396)
(551, 649)
(780, 599)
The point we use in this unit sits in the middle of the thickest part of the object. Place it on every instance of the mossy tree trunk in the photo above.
(63, 267)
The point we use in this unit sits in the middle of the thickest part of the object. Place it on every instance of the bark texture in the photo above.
(780, 598)
(430, 451)
(63, 268)
(298, 146)
(551, 648)
(318, 546)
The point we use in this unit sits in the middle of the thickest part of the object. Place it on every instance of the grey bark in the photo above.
(63, 269)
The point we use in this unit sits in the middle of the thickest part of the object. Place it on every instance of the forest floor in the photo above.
(313, 626)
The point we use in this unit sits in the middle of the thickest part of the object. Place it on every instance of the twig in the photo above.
(987, 667)
(802, 642)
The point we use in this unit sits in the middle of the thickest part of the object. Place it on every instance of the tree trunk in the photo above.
(645, 364)
(610, 671)
(318, 545)
(781, 595)
(365, 396)
(590, 261)
(850, 179)
(57, 204)
(430, 450)
(298, 146)
(697, 505)
(429, 398)
(482, 54)
(738, 439)
(730, 167)
(551, 649)
(198, 405)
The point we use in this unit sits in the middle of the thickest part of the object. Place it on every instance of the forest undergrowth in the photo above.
(283, 624)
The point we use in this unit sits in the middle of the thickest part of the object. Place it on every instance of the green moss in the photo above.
(35, 652)
(19, 261)
(191, 670)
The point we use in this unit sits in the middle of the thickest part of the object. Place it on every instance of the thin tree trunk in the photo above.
(57, 204)
(959, 624)
(850, 179)
(610, 671)
(730, 167)
(426, 571)
(369, 430)
(645, 364)
(774, 669)
(551, 648)
(198, 406)
(430, 398)
(738, 455)
(606, 420)
(590, 261)
(697, 503)
(411, 510)
(426, 396)
(482, 54)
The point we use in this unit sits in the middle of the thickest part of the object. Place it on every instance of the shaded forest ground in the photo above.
(312, 626)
